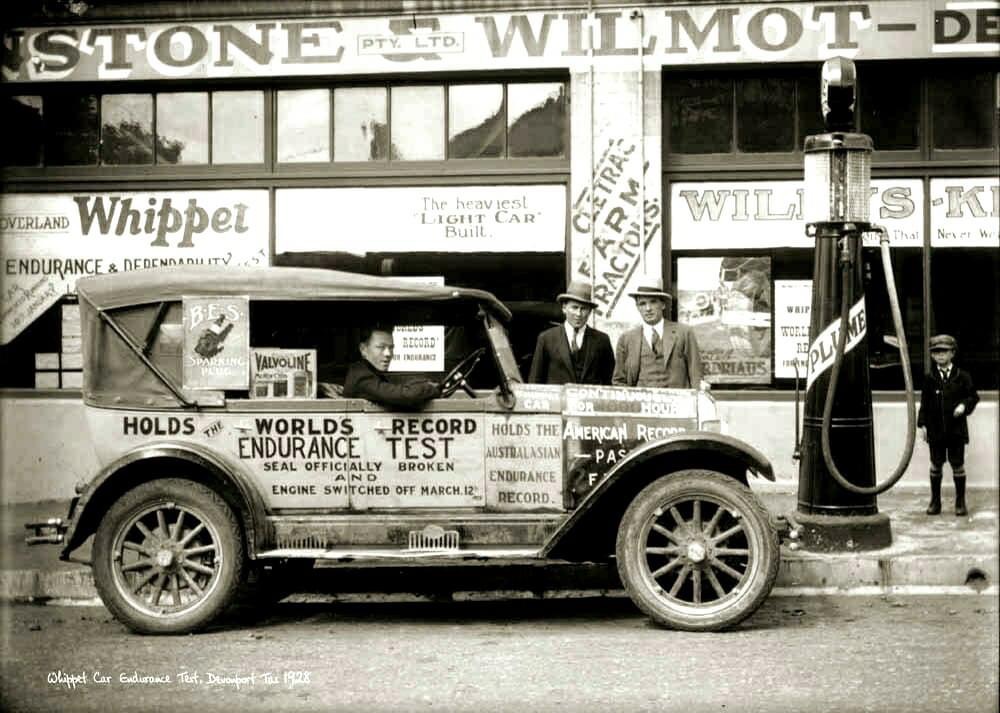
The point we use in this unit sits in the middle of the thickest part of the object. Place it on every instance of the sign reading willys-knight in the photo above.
(965, 212)
(764, 214)
(670, 35)
(456, 219)
(47, 241)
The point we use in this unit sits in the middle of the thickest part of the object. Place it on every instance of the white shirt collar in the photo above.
(648, 329)
(569, 333)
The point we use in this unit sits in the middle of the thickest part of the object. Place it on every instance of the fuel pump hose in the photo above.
(897, 320)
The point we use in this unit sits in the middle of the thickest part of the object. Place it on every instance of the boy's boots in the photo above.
(960, 508)
(935, 507)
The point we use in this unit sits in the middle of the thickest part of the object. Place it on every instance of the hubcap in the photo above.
(696, 552)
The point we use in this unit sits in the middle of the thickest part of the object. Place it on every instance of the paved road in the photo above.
(837, 654)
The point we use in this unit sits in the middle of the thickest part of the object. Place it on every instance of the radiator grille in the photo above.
(433, 537)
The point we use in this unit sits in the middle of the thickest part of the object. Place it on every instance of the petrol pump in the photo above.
(837, 507)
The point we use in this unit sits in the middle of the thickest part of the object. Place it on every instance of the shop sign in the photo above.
(965, 212)
(608, 38)
(216, 343)
(48, 241)
(768, 214)
(792, 305)
(727, 302)
(412, 219)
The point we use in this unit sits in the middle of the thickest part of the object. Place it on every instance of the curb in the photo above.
(799, 574)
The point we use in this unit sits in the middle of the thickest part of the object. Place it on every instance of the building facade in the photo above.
(509, 146)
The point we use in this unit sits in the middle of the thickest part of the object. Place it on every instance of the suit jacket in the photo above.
(682, 360)
(938, 400)
(365, 381)
(552, 363)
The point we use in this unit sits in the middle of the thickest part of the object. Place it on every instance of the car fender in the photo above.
(689, 449)
(235, 485)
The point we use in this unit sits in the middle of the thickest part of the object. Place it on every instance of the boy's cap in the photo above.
(943, 342)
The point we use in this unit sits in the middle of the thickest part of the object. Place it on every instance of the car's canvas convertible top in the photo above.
(161, 284)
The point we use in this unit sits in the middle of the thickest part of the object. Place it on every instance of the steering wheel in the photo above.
(455, 378)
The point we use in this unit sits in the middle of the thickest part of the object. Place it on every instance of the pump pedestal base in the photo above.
(843, 533)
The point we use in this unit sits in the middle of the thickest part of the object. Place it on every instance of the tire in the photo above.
(696, 551)
(168, 557)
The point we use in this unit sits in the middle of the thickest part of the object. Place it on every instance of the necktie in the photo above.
(656, 343)
(944, 374)
(574, 345)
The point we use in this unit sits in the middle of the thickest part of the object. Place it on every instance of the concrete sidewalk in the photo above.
(942, 554)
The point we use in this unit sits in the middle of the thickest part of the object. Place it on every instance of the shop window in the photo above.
(765, 115)
(72, 134)
(419, 136)
(47, 354)
(965, 293)
(774, 112)
(23, 118)
(476, 121)
(304, 126)
(700, 116)
(182, 128)
(889, 107)
(536, 119)
(237, 127)
(809, 114)
(360, 124)
(965, 110)
(742, 112)
(126, 129)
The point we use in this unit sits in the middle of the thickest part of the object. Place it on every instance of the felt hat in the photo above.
(655, 289)
(943, 342)
(578, 292)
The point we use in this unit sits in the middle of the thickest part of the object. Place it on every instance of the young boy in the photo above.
(948, 397)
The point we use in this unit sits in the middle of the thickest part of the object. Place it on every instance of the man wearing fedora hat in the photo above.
(573, 353)
(658, 352)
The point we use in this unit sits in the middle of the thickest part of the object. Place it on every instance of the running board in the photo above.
(404, 555)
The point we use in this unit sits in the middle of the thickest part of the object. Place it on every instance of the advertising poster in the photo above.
(453, 219)
(792, 304)
(282, 373)
(418, 348)
(727, 302)
(50, 240)
(217, 343)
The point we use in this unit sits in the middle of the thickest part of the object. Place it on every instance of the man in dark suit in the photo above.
(658, 352)
(573, 353)
(367, 378)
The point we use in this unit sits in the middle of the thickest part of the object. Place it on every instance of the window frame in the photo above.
(924, 153)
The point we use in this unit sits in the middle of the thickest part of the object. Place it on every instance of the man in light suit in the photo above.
(658, 352)
(573, 353)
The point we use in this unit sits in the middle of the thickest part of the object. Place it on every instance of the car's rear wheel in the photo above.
(696, 551)
(168, 557)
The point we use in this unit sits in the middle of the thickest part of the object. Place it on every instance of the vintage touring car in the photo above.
(214, 401)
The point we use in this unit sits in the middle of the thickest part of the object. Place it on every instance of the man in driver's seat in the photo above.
(367, 377)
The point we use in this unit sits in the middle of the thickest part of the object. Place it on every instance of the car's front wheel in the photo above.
(168, 557)
(696, 551)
